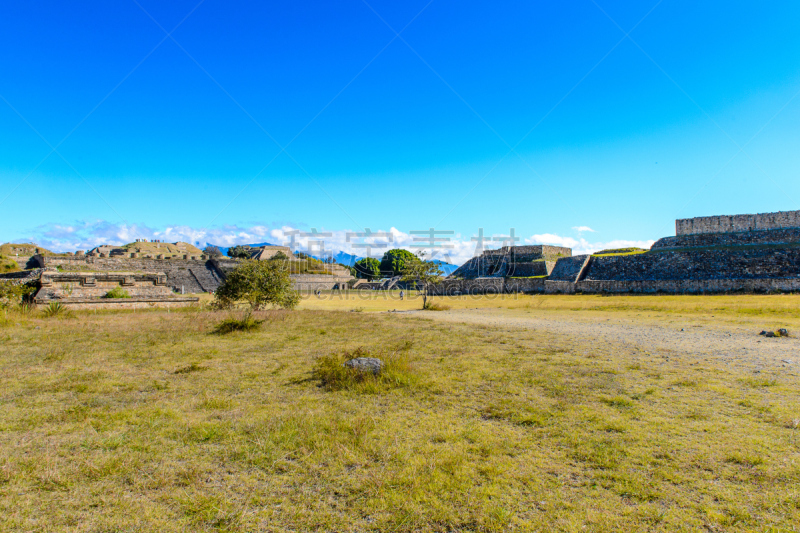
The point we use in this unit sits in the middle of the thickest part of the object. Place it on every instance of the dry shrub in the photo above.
(432, 306)
(333, 375)
(231, 324)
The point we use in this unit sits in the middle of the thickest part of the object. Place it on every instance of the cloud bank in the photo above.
(459, 248)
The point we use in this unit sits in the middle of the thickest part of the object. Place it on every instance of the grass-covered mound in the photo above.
(620, 251)
(7, 264)
(23, 249)
(166, 248)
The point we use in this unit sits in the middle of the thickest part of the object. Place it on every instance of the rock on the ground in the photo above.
(365, 364)
(783, 332)
(769, 334)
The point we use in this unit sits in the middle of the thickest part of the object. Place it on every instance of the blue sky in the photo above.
(538, 116)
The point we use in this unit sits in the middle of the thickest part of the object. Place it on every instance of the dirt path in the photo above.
(732, 344)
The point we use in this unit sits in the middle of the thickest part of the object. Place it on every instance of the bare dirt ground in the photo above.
(730, 344)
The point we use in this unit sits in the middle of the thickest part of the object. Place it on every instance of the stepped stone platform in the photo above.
(84, 290)
(752, 253)
(513, 261)
(779, 237)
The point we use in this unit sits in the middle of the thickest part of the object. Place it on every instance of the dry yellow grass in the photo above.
(149, 422)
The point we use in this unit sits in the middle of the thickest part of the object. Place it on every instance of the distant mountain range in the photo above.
(343, 258)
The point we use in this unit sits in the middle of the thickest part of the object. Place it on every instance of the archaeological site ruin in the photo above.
(739, 253)
(747, 253)
(147, 274)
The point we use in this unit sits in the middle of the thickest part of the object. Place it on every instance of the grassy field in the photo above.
(149, 422)
(785, 308)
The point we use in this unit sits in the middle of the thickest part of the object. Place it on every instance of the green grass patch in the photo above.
(233, 324)
(332, 374)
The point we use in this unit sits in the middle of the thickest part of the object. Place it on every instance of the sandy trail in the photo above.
(734, 345)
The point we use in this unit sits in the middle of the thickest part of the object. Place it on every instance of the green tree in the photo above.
(368, 268)
(425, 273)
(258, 284)
(240, 252)
(394, 261)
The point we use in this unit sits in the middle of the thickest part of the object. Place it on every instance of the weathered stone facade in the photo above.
(569, 268)
(496, 285)
(697, 265)
(753, 253)
(778, 237)
(736, 223)
(189, 276)
(513, 261)
(89, 289)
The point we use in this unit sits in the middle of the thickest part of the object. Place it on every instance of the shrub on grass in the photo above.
(430, 305)
(117, 292)
(55, 310)
(258, 284)
(333, 375)
(231, 324)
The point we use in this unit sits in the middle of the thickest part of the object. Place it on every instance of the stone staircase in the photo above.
(207, 278)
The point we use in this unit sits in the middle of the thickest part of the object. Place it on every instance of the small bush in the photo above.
(333, 375)
(55, 310)
(430, 305)
(117, 292)
(231, 324)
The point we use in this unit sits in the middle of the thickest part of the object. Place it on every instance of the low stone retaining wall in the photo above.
(127, 303)
(689, 286)
(698, 265)
(455, 287)
(559, 287)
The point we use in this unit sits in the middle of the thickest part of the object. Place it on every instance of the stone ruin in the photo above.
(90, 290)
(739, 253)
(513, 261)
(141, 263)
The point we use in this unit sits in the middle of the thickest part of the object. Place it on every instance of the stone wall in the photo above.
(455, 287)
(697, 265)
(308, 282)
(569, 268)
(559, 287)
(533, 268)
(129, 303)
(517, 261)
(790, 236)
(183, 275)
(21, 277)
(88, 285)
(689, 286)
(735, 223)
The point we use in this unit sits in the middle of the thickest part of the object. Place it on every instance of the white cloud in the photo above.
(88, 234)
(581, 229)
